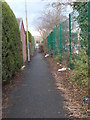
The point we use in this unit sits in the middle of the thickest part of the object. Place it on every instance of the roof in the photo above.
(20, 22)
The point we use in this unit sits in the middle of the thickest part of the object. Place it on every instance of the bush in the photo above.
(80, 63)
(81, 69)
(32, 46)
(31, 43)
(11, 44)
(41, 48)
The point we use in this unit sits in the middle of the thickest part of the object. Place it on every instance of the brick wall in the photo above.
(22, 34)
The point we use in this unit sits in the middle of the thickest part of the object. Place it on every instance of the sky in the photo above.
(34, 8)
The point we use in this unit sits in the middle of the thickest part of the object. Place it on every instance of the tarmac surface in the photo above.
(36, 96)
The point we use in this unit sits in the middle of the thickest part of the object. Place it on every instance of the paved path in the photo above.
(36, 97)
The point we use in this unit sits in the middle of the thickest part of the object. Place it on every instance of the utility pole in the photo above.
(27, 32)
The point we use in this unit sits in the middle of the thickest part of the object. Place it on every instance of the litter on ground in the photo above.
(62, 69)
(47, 55)
(22, 67)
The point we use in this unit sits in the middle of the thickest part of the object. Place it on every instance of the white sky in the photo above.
(34, 8)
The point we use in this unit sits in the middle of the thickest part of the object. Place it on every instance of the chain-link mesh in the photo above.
(70, 44)
(68, 39)
(65, 42)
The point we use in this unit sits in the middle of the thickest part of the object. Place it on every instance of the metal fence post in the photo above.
(54, 42)
(49, 42)
(70, 37)
(60, 43)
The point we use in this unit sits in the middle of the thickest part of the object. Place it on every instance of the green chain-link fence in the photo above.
(70, 38)
(68, 42)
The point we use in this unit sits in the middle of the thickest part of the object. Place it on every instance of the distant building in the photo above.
(23, 39)
(36, 45)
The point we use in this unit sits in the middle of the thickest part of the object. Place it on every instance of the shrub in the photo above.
(31, 43)
(81, 69)
(11, 44)
(80, 62)
(41, 48)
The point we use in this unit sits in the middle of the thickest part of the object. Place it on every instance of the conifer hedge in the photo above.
(12, 59)
(31, 43)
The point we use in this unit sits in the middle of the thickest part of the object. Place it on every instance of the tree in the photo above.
(51, 17)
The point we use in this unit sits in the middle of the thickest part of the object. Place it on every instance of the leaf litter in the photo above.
(73, 96)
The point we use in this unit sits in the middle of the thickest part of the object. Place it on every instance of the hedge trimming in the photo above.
(12, 59)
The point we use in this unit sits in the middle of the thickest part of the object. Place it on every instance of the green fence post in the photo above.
(54, 42)
(89, 54)
(48, 42)
(51, 42)
(70, 36)
(60, 43)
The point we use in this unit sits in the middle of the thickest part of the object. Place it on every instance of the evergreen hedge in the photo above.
(31, 43)
(12, 59)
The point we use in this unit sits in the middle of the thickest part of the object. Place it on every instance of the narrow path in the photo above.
(37, 96)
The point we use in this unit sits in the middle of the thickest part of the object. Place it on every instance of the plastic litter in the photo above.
(47, 55)
(60, 65)
(85, 99)
(68, 68)
(62, 69)
(22, 67)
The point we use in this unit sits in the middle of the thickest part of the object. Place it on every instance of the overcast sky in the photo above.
(34, 8)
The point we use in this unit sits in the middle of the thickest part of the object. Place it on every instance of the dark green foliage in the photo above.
(11, 44)
(69, 42)
(80, 62)
(31, 43)
(41, 48)
(32, 46)
(81, 69)
(82, 8)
